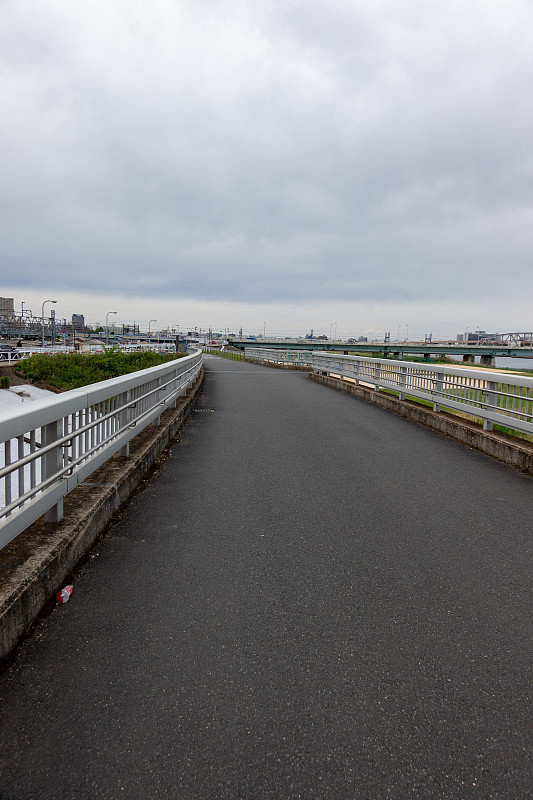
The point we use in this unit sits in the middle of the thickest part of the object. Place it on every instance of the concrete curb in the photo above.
(35, 564)
(518, 454)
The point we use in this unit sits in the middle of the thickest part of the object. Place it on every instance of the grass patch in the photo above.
(462, 415)
(71, 370)
(512, 432)
(226, 354)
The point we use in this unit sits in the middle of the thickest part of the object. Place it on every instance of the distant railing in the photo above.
(300, 358)
(25, 352)
(51, 446)
(489, 395)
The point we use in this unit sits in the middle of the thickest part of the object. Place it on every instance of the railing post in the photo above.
(52, 462)
(439, 383)
(157, 420)
(125, 416)
(490, 401)
(377, 375)
(403, 382)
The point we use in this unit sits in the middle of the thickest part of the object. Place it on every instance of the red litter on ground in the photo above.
(63, 595)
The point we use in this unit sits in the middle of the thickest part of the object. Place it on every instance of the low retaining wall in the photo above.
(274, 365)
(36, 564)
(516, 453)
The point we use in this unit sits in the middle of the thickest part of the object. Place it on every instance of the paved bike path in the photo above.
(312, 598)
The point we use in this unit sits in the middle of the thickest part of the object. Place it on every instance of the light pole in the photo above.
(42, 319)
(107, 326)
(150, 322)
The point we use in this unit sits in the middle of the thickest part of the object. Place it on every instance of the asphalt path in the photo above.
(311, 598)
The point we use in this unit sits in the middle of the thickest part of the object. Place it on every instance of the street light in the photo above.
(150, 322)
(107, 326)
(42, 318)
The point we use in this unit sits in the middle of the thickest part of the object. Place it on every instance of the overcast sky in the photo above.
(288, 164)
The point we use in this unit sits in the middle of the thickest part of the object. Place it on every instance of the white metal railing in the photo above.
(51, 446)
(23, 352)
(19, 353)
(489, 395)
(300, 358)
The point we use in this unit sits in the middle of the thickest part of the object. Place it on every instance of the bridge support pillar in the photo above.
(468, 358)
(487, 361)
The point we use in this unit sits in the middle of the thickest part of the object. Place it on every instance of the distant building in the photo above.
(78, 319)
(477, 336)
(7, 307)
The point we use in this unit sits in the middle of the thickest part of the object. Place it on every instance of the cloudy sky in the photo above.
(277, 164)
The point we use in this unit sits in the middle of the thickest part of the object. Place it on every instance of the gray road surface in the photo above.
(313, 598)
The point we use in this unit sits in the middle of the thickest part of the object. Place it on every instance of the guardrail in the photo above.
(9, 356)
(493, 397)
(300, 358)
(18, 353)
(52, 446)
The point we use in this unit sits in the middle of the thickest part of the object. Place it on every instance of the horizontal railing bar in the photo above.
(116, 426)
(67, 438)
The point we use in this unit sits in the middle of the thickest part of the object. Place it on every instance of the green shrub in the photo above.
(4, 382)
(72, 370)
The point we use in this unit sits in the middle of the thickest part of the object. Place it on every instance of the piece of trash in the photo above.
(63, 595)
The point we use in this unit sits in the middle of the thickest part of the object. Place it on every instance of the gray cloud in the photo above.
(261, 152)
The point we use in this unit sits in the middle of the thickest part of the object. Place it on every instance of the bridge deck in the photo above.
(313, 598)
(390, 348)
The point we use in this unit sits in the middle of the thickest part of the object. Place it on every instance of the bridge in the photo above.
(486, 351)
(311, 597)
